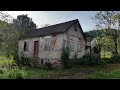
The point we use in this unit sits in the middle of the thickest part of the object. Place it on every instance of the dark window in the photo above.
(96, 50)
(42, 61)
(25, 46)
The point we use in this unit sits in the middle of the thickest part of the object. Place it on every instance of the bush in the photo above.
(91, 59)
(7, 63)
(15, 73)
(115, 59)
(46, 66)
(74, 61)
(65, 57)
(10, 70)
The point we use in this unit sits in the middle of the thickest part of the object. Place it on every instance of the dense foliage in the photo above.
(10, 70)
(93, 34)
(24, 24)
(11, 32)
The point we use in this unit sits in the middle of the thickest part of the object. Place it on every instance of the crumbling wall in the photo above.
(74, 33)
(51, 55)
(55, 48)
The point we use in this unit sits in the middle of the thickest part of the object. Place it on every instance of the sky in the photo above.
(55, 17)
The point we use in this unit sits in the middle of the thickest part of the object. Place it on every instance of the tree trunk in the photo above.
(116, 45)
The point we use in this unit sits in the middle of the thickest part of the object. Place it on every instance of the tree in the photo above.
(24, 24)
(105, 20)
(116, 33)
(4, 20)
(10, 41)
(11, 32)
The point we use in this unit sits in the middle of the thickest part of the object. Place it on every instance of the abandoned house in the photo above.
(45, 44)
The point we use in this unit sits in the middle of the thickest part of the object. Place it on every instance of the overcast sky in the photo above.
(54, 17)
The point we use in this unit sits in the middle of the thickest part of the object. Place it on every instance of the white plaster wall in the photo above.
(54, 53)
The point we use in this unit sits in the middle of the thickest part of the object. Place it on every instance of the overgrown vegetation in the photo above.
(91, 60)
(65, 57)
(79, 72)
(46, 66)
(107, 40)
(10, 70)
(113, 59)
(11, 32)
(13, 73)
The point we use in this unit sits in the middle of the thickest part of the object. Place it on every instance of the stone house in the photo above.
(45, 44)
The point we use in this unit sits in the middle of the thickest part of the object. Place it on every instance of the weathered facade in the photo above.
(45, 44)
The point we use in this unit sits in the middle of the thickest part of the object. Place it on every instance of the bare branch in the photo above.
(6, 17)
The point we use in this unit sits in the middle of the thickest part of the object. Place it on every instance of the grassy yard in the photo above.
(111, 71)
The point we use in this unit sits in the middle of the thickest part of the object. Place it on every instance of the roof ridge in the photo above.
(58, 24)
(71, 24)
(57, 28)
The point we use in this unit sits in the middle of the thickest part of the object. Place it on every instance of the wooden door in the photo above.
(36, 48)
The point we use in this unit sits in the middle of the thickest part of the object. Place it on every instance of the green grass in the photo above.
(109, 71)
(47, 74)
(114, 74)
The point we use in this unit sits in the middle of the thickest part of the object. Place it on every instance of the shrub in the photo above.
(10, 70)
(115, 59)
(7, 63)
(65, 57)
(73, 61)
(46, 66)
(91, 59)
(15, 73)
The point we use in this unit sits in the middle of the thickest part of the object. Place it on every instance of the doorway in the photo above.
(36, 48)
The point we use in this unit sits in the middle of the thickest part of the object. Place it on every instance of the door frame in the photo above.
(36, 49)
